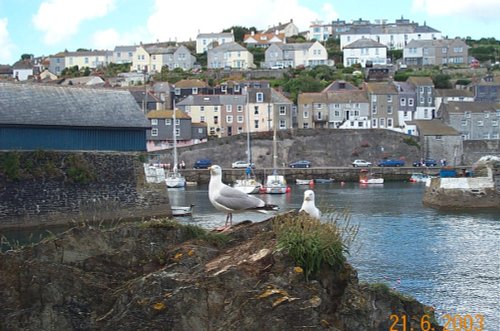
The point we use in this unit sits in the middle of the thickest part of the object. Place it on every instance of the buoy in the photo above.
(288, 189)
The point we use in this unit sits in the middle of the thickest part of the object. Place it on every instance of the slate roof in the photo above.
(381, 88)
(434, 128)
(420, 81)
(454, 93)
(37, 105)
(461, 107)
(365, 43)
(167, 114)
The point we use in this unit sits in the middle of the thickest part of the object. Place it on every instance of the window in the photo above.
(168, 121)
(486, 136)
(239, 108)
(216, 109)
(282, 110)
(239, 119)
(216, 119)
(177, 91)
(389, 109)
(336, 105)
(374, 123)
(177, 122)
(200, 130)
(319, 116)
(467, 114)
(259, 97)
(374, 109)
(410, 102)
(154, 121)
(463, 122)
(256, 124)
(305, 125)
(486, 114)
(429, 100)
(389, 98)
(282, 124)
(422, 99)
(438, 137)
(306, 114)
(336, 113)
(426, 113)
(177, 132)
(494, 123)
(382, 122)
(389, 122)
(154, 132)
(229, 119)
(229, 108)
(403, 102)
(319, 106)
(495, 136)
(223, 88)
(374, 98)
(202, 119)
(480, 123)
(195, 90)
(236, 88)
(202, 108)
(256, 110)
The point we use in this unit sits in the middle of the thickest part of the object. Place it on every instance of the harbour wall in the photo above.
(41, 189)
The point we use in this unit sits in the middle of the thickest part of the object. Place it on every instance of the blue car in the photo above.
(300, 164)
(391, 163)
(202, 164)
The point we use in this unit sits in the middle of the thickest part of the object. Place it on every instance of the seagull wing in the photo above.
(234, 199)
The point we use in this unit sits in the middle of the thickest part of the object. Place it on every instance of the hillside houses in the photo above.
(295, 55)
(435, 52)
(230, 55)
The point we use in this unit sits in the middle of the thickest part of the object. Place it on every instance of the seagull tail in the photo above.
(267, 209)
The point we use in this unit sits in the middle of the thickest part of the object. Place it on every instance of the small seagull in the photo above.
(308, 205)
(228, 199)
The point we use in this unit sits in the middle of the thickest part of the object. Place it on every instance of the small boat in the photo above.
(275, 184)
(191, 183)
(324, 180)
(304, 181)
(247, 185)
(182, 210)
(366, 177)
(174, 180)
(419, 177)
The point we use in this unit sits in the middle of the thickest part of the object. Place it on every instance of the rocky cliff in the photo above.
(161, 275)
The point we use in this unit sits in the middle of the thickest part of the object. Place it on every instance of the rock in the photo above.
(165, 278)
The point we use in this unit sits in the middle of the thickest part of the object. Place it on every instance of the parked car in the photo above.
(242, 164)
(202, 164)
(300, 164)
(391, 163)
(361, 163)
(426, 162)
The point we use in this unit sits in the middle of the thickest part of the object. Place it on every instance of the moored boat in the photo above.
(367, 177)
(304, 181)
(182, 210)
(247, 185)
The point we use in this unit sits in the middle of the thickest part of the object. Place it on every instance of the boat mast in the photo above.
(275, 156)
(175, 140)
(249, 151)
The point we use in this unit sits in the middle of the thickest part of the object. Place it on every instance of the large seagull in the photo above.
(230, 200)
(309, 206)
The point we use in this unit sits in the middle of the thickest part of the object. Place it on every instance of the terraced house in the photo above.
(383, 99)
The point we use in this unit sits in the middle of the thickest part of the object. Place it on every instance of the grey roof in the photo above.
(212, 100)
(125, 48)
(461, 107)
(231, 46)
(294, 47)
(434, 127)
(30, 104)
(365, 43)
(215, 35)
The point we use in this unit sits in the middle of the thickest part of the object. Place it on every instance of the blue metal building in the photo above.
(35, 116)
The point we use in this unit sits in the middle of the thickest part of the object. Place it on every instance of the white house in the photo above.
(206, 41)
(365, 51)
(230, 55)
(297, 54)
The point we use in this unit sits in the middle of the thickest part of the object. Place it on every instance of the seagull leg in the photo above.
(229, 220)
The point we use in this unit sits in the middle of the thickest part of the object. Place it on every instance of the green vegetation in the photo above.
(79, 170)
(239, 32)
(411, 142)
(484, 49)
(313, 244)
(10, 165)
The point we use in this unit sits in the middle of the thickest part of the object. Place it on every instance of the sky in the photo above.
(46, 27)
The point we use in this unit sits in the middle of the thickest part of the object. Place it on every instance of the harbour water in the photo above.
(448, 260)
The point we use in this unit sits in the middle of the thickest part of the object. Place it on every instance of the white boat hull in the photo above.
(372, 181)
(182, 210)
(248, 186)
(174, 180)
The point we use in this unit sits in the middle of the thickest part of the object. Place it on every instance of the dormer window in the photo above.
(259, 97)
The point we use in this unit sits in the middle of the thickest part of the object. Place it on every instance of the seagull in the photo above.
(228, 199)
(308, 205)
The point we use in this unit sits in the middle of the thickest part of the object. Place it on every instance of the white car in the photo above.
(361, 163)
(242, 164)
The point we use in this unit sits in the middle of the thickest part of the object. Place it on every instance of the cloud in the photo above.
(7, 48)
(60, 19)
(110, 38)
(468, 9)
(214, 16)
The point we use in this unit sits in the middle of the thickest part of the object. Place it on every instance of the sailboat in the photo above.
(249, 184)
(275, 183)
(174, 178)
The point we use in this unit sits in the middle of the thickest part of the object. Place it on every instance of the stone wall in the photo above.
(53, 188)
(475, 149)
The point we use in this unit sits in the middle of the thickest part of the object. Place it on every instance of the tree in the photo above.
(441, 81)
(239, 32)
(26, 56)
